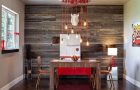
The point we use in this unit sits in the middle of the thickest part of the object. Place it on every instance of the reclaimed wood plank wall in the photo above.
(105, 30)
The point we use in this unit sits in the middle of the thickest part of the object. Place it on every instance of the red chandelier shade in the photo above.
(75, 1)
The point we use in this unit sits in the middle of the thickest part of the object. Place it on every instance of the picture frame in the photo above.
(136, 34)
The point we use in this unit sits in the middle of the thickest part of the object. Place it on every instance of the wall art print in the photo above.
(136, 34)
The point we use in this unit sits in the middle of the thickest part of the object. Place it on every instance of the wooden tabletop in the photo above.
(71, 63)
(59, 60)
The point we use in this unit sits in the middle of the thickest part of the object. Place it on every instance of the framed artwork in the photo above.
(136, 34)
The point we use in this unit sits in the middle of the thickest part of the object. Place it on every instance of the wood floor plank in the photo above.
(73, 84)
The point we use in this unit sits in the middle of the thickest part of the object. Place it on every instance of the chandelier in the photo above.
(75, 1)
(75, 17)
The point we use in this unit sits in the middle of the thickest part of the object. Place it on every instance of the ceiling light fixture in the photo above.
(85, 23)
(74, 14)
(66, 27)
(81, 40)
(87, 43)
(72, 31)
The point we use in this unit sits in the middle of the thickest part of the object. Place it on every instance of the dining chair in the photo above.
(107, 64)
(40, 71)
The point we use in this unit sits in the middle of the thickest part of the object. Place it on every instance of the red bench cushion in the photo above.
(74, 71)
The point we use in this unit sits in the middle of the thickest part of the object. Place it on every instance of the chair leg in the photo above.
(91, 80)
(38, 80)
(112, 81)
(94, 80)
(57, 80)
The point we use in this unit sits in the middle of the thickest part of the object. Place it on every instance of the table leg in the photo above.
(98, 77)
(51, 77)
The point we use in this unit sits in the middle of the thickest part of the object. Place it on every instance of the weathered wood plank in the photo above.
(105, 27)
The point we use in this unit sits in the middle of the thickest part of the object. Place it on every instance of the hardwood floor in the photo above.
(73, 84)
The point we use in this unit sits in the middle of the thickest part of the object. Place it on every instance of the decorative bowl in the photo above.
(75, 58)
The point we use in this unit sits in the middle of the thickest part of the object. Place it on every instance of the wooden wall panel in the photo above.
(105, 29)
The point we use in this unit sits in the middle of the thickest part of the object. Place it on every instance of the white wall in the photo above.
(11, 65)
(132, 59)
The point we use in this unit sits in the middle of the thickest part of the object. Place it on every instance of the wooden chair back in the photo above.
(39, 62)
(107, 63)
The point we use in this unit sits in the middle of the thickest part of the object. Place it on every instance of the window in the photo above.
(9, 30)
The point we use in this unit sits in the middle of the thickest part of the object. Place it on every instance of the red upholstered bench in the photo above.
(74, 71)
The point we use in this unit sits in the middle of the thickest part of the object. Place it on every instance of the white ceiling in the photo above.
(92, 2)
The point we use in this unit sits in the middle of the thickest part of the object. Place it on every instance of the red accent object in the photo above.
(75, 1)
(137, 40)
(74, 71)
(113, 62)
(17, 33)
(2, 44)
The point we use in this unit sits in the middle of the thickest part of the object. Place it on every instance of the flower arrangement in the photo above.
(75, 58)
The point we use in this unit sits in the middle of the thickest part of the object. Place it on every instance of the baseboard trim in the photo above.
(131, 80)
(12, 83)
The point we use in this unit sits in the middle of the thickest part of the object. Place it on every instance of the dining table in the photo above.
(55, 63)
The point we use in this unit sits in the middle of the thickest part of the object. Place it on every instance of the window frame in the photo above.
(15, 32)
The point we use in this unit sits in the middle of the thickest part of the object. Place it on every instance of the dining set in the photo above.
(57, 65)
